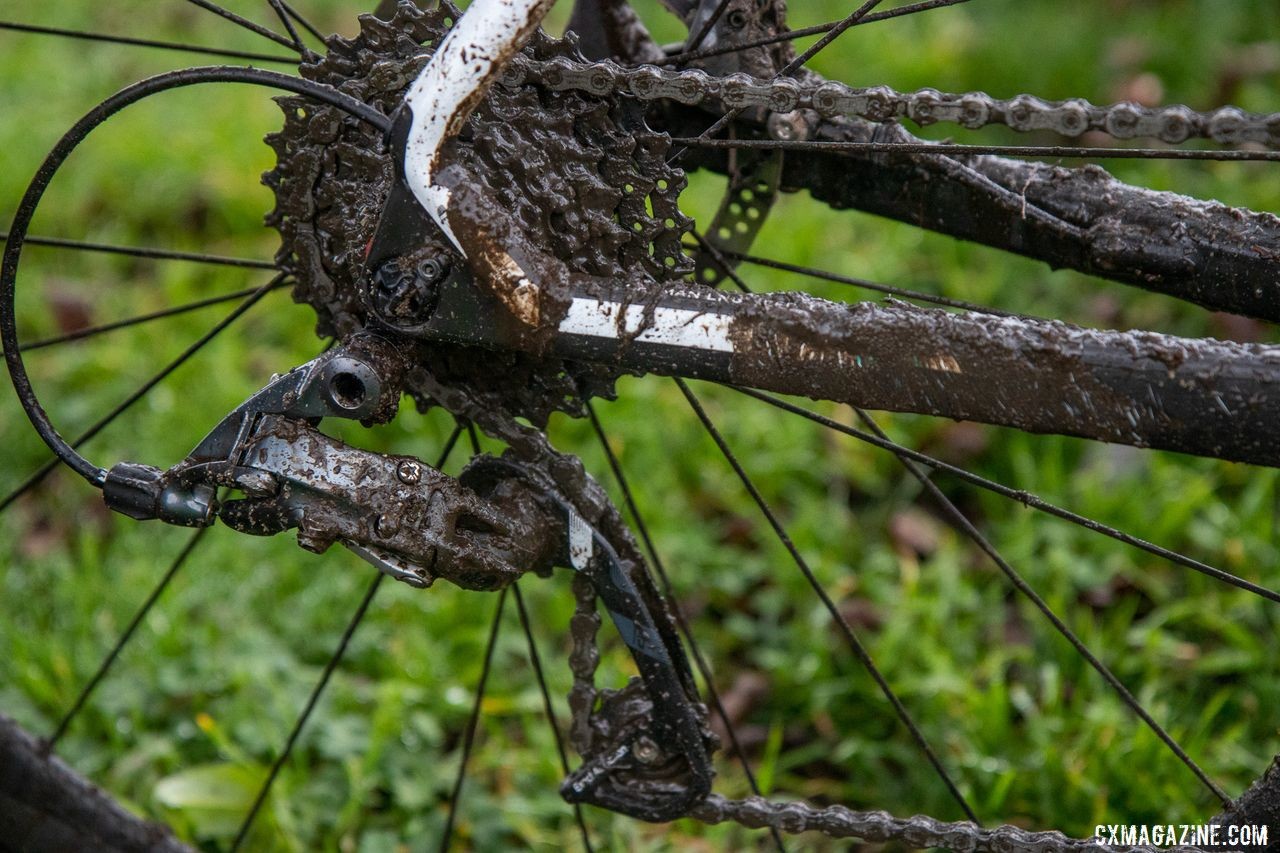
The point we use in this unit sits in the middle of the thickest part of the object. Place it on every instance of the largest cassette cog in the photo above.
(583, 176)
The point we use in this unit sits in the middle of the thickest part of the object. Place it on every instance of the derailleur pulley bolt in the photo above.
(788, 127)
(386, 525)
(409, 472)
(645, 750)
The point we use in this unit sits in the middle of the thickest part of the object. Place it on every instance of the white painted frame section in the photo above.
(676, 327)
(441, 98)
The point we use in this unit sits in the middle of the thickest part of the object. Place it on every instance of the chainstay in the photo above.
(829, 99)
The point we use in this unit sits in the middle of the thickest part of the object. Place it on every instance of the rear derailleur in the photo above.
(499, 519)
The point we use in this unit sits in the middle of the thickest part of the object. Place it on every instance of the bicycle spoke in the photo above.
(830, 36)
(790, 68)
(842, 624)
(705, 29)
(536, 661)
(889, 289)
(307, 53)
(301, 19)
(138, 42)
(1017, 495)
(52, 742)
(91, 331)
(143, 252)
(316, 692)
(804, 32)
(1014, 577)
(721, 256)
(859, 650)
(449, 444)
(1020, 583)
(961, 173)
(472, 723)
(221, 12)
(945, 148)
(142, 390)
(356, 618)
(682, 623)
(446, 838)
(718, 257)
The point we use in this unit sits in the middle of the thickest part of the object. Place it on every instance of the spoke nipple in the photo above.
(409, 472)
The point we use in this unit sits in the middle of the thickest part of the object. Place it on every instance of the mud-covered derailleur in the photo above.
(483, 530)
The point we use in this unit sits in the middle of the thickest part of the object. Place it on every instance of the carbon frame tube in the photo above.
(1204, 397)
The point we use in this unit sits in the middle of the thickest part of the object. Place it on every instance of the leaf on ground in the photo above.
(213, 797)
(70, 311)
(746, 692)
(914, 533)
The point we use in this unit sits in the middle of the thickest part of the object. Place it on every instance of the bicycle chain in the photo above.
(828, 99)
(918, 831)
(584, 659)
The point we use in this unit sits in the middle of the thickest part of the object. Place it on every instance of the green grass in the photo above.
(201, 701)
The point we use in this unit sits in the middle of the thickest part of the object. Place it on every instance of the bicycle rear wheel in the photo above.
(918, 554)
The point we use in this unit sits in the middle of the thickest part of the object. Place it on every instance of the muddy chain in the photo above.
(796, 817)
(829, 99)
(583, 662)
(918, 831)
